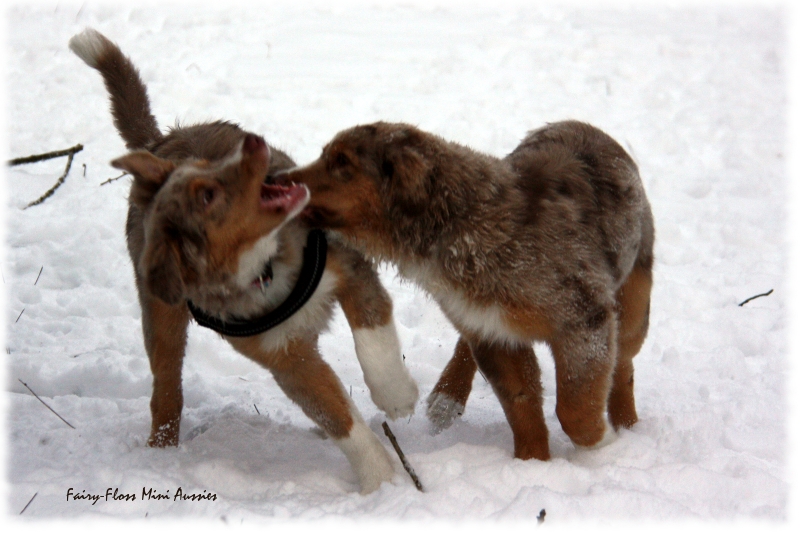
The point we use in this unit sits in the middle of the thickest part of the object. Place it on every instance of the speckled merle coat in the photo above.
(202, 225)
(552, 243)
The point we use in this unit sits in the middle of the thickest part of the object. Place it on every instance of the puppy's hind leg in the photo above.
(448, 398)
(584, 359)
(633, 304)
(514, 374)
(164, 327)
(368, 309)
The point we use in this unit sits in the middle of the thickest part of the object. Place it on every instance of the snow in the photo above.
(696, 93)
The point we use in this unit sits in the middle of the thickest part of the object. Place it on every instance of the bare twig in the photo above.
(20, 315)
(109, 180)
(756, 296)
(60, 181)
(402, 457)
(257, 411)
(42, 157)
(37, 277)
(27, 504)
(37, 397)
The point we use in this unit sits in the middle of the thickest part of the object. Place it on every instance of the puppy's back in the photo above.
(590, 177)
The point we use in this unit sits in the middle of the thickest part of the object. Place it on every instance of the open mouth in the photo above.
(282, 198)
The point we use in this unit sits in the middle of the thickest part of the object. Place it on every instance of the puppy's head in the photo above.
(208, 224)
(365, 176)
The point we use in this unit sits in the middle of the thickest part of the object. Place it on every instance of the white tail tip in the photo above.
(89, 45)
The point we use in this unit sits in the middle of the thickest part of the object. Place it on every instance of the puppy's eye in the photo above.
(207, 196)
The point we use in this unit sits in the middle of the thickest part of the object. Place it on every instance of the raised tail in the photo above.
(130, 105)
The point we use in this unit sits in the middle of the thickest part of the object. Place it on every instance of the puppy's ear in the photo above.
(149, 174)
(161, 268)
(406, 169)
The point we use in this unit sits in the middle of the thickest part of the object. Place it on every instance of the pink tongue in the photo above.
(278, 197)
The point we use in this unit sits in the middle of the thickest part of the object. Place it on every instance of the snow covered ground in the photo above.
(696, 94)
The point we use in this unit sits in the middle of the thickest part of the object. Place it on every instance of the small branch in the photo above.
(756, 296)
(257, 411)
(109, 180)
(42, 157)
(37, 277)
(402, 457)
(61, 180)
(37, 397)
(27, 504)
(19, 316)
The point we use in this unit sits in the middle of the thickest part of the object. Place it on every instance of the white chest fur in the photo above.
(486, 321)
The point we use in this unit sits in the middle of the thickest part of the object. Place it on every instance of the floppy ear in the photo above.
(149, 174)
(161, 268)
(406, 170)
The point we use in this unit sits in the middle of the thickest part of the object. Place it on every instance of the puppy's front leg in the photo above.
(514, 374)
(448, 399)
(368, 309)
(308, 381)
(164, 327)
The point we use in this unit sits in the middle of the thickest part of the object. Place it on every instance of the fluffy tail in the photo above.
(129, 103)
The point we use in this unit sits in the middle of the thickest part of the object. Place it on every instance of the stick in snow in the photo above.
(540, 518)
(58, 184)
(42, 157)
(29, 502)
(402, 457)
(37, 397)
(756, 296)
(109, 180)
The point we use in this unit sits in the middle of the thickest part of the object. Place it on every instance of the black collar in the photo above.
(314, 256)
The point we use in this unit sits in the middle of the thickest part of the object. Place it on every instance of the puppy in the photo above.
(204, 232)
(552, 243)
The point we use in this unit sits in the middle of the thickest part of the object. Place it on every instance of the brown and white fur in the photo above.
(202, 226)
(552, 243)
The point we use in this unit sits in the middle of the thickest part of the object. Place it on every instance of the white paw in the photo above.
(391, 387)
(608, 437)
(396, 398)
(442, 411)
(367, 456)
